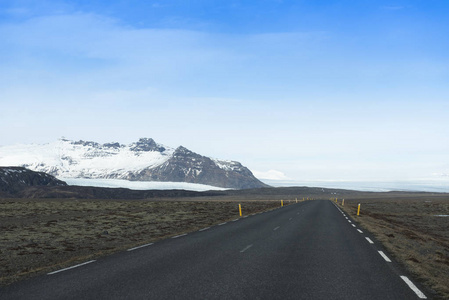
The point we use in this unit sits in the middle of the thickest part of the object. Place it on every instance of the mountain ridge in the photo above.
(144, 160)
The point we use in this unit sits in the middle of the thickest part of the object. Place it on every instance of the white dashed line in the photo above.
(359, 231)
(346, 218)
(246, 248)
(72, 267)
(146, 245)
(414, 288)
(204, 229)
(276, 228)
(353, 225)
(369, 240)
(349, 221)
(384, 256)
(290, 219)
(177, 236)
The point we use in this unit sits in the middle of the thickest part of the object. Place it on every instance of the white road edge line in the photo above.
(204, 229)
(414, 288)
(222, 223)
(246, 248)
(72, 267)
(276, 228)
(359, 231)
(177, 236)
(384, 256)
(369, 240)
(146, 245)
(235, 220)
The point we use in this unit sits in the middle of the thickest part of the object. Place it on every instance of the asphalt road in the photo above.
(307, 250)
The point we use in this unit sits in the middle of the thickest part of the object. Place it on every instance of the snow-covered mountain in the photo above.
(144, 160)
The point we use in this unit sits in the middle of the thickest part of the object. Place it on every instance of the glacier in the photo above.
(141, 185)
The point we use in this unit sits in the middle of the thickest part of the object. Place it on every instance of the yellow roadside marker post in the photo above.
(296, 200)
(240, 209)
(343, 202)
(282, 202)
(358, 210)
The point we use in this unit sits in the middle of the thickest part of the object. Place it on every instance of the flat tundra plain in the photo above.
(43, 235)
(415, 230)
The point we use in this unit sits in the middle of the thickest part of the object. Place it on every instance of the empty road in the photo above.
(309, 250)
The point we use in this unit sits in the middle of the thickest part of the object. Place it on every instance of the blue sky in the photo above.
(316, 90)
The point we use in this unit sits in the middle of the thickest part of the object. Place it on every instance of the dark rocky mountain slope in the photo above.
(187, 166)
(16, 179)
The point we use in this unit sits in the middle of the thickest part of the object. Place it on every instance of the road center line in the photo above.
(276, 228)
(177, 236)
(204, 229)
(369, 240)
(413, 287)
(246, 248)
(146, 245)
(72, 267)
(384, 256)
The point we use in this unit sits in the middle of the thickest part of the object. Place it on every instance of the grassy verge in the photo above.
(415, 232)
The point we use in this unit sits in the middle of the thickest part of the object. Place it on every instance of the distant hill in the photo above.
(16, 179)
(18, 182)
(144, 160)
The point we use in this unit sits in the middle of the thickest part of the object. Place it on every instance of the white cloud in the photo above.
(271, 175)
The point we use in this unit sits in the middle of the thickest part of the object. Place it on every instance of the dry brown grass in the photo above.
(41, 235)
(412, 232)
